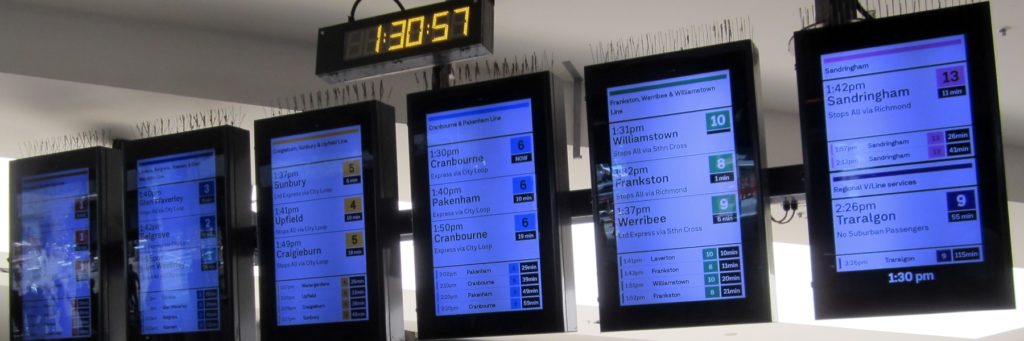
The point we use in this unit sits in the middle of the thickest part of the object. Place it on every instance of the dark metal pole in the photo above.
(440, 79)
(835, 12)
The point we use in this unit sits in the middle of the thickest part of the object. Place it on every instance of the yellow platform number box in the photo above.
(354, 243)
(353, 209)
(351, 172)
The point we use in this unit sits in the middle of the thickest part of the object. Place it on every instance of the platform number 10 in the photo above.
(718, 121)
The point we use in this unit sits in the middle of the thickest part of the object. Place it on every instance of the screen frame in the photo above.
(104, 220)
(985, 285)
(558, 314)
(380, 207)
(233, 212)
(740, 59)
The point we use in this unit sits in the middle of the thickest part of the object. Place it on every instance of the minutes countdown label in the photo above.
(483, 208)
(674, 181)
(319, 227)
(903, 171)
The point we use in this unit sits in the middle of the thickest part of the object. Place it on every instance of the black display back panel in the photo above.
(102, 205)
(929, 270)
(549, 308)
(232, 256)
(656, 101)
(375, 122)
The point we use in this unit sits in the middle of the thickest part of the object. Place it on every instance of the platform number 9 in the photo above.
(961, 200)
(723, 204)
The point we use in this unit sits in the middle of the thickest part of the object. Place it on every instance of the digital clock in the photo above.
(424, 36)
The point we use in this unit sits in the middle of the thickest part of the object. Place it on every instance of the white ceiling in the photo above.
(256, 51)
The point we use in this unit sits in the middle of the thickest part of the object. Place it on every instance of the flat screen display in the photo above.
(319, 230)
(906, 197)
(179, 249)
(55, 272)
(675, 190)
(483, 209)
(902, 165)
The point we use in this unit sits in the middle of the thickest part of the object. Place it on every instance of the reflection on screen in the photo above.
(319, 250)
(483, 209)
(901, 157)
(178, 247)
(52, 260)
(674, 180)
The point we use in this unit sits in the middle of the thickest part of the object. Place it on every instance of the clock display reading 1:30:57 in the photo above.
(401, 34)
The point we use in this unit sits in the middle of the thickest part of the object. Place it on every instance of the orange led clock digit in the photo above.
(440, 26)
(399, 35)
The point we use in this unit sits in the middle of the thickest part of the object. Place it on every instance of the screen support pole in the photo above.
(577, 108)
(835, 12)
(442, 76)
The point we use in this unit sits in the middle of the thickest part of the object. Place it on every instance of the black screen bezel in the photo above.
(364, 115)
(972, 286)
(210, 138)
(740, 59)
(90, 160)
(536, 87)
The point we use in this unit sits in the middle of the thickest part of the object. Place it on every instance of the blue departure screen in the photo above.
(54, 272)
(903, 173)
(674, 180)
(179, 249)
(483, 209)
(319, 251)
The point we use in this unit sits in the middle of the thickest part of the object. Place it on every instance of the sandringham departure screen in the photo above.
(902, 166)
